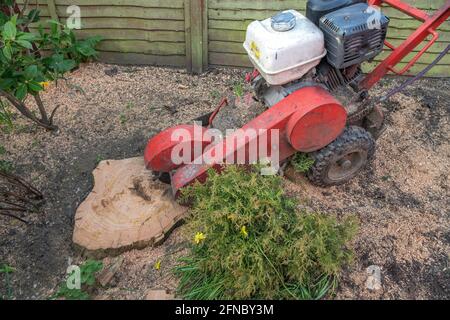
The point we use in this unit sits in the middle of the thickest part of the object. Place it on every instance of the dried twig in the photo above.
(19, 197)
(21, 183)
(14, 209)
(9, 207)
(9, 203)
(7, 214)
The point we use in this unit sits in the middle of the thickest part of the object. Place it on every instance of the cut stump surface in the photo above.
(125, 210)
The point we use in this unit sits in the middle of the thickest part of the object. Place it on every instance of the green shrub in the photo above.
(24, 71)
(302, 162)
(249, 242)
(88, 272)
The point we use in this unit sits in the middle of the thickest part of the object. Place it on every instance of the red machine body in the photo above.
(307, 120)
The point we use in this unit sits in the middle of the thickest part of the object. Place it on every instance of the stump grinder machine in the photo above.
(309, 82)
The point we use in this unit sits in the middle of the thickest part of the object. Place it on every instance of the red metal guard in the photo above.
(429, 26)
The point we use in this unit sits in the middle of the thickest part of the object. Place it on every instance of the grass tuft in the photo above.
(255, 245)
(6, 121)
(238, 88)
(6, 166)
(302, 162)
(6, 270)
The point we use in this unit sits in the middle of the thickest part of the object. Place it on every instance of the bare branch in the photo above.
(44, 117)
(18, 206)
(8, 194)
(19, 105)
(20, 182)
(13, 216)
(53, 114)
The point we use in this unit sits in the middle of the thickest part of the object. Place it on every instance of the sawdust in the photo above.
(402, 200)
(138, 273)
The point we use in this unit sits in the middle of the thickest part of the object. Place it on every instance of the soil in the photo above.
(109, 112)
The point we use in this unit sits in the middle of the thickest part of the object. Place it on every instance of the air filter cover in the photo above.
(354, 34)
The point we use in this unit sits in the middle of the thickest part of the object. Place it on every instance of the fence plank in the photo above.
(138, 46)
(139, 58)
(205, 25)
(188, 34)
(198, 8)
(52, 10)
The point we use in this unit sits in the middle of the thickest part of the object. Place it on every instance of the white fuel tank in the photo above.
(285, 47)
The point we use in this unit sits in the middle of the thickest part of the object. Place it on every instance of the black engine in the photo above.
(354, 32)
(316, 9)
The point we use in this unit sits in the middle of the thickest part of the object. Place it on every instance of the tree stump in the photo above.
(126, 210)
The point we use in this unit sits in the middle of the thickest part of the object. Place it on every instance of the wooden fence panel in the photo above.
(198, 33)
(228, 20)
(134, 31)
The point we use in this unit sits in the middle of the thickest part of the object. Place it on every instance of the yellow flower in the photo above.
(199, 237)
(244, 231)
(157, 265)
(45, 84)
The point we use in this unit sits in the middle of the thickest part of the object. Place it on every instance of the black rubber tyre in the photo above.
(164, 177)
(343, 159)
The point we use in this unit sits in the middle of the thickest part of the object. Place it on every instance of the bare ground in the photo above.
(109, 112)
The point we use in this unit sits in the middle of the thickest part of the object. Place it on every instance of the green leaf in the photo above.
(6, 83)
(55, 27)
(28, 36)
(86, 50)
(35, 86)
(25, 44)
(30, 72)
(34, 15)
(21, 91)
(9, 31)
(14, 19)
(6, 269)
(88, 271)
(61, 65)
(7, 2)
(7, 51)
(3, 18)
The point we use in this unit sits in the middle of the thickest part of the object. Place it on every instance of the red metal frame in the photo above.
(307, 120)
(429, 26)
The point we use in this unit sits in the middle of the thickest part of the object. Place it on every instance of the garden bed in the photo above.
(109, 112)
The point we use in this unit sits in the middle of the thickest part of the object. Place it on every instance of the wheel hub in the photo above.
(346, 165)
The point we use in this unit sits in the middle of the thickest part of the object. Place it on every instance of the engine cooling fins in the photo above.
(334, 78)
